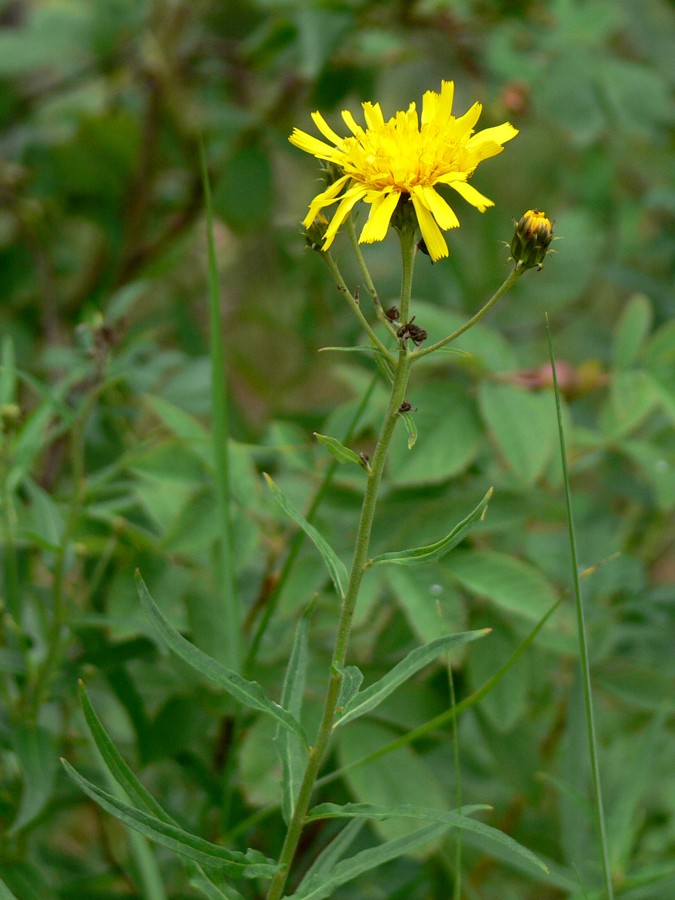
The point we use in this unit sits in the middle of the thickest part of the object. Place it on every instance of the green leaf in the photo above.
(339, 451)
(288, 746)
(8, 372)
(35, 748)
(119, 769)
(509, 582)
(251, 864)
(337, 569)
(459, 820)
(243, 195)
(633, 397)
(337, 848)
(352, 677)
(5, 893)
(631, 330)
(247, 692)
(372, 696)
(450, 436)
(422, 555)
(321, 885)
(412, 429)
(523, 426)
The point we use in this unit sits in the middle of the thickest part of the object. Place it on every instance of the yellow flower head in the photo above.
(394, 159)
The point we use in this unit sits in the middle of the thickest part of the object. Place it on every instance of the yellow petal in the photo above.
(430, 231)
(373, 114)
(444, 109)
(311, 144)
(429, 106)
(440, 210)
(351, 123)
(350, 198)
(471, 195)
(500, 134)
(380, 215)
(324, 199)
(326, 130)
(469, 119)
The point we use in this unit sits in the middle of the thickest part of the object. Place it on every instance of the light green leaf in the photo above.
(288, 746)
(5, 893)
(352, 678)
(247, 692)
(633, 397)
(372, 696)
(35, 749)
(337, 569)
(523, 426)
(7, 372)
(321, 885)
(337, 848)
(339, 451)
(412, 429)
(459, 820)
(631, 330)
(251, 864)
(422, 555)
(509, 582)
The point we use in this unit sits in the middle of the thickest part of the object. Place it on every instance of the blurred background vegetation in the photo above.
(105, 464)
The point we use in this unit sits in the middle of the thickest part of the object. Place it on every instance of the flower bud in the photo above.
(314, 235)
(531, 240)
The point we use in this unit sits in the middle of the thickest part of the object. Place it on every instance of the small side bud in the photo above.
(531, 240)
(315, 234)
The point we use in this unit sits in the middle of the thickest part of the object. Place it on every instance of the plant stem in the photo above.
(230, 619)
(510, 281)
(342, 286)
(317, 752)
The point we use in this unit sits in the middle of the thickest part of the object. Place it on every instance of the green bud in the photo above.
(531, 240)
(314, 235)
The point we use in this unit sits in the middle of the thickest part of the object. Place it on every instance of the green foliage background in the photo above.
(106, 466)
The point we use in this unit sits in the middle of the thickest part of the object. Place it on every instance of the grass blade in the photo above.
(226, 621)
(581, 627)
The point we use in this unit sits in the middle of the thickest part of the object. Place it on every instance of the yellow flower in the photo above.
(390, 160)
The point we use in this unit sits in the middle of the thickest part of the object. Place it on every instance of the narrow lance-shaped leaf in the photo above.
(372, 696)
(247, 692)
(422, 555)
(136, 792)
(405, 811)
(288, 746)
(337, 569)
(321, 885)
(339, 451)
(251, 864)
(412, 429)
(333, 853)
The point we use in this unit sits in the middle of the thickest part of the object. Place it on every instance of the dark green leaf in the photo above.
(337, 569)
(247, 692)
(251, 864)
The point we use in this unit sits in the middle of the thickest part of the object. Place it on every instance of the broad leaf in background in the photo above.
(35, 749)
(247, 692)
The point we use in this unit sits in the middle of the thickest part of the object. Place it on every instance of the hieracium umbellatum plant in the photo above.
(401, 170)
